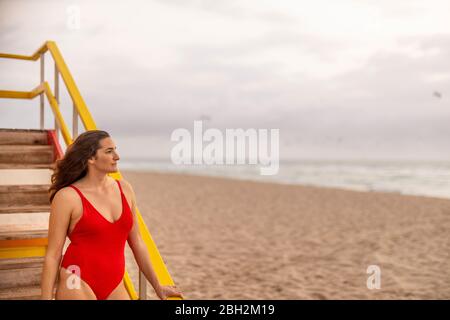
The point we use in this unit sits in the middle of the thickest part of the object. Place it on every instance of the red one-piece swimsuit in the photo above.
(97, 247)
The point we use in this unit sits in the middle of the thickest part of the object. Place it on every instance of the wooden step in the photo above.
(34, 218)
(23, 137)
(24, 209)
(26, 154)
(23, 195)
(25, 176)
(21, 272)
(21, 293)
(27, 166)
(23, 231)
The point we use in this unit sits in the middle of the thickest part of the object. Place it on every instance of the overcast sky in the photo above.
(340, 79)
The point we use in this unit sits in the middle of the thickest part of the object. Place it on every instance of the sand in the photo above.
(233, 239)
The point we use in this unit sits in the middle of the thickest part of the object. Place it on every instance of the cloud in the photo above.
(339, 80)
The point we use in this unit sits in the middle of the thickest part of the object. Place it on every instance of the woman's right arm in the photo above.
(59, 220)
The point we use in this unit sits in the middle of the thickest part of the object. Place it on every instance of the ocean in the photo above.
(425, 178)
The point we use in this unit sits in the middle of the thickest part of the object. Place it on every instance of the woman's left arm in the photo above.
(141, 254)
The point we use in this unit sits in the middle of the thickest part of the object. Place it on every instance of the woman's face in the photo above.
(106, 157)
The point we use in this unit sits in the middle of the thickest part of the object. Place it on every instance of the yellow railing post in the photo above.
(56, 98)
(74, 122)
(41, 122)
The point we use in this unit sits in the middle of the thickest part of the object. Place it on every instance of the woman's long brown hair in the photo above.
(73, 166)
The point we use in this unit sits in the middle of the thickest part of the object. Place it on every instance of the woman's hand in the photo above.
(164, 292)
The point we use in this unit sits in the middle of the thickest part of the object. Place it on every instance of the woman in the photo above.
(98, 214)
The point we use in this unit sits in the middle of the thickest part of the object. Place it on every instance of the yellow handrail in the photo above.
(35, 56)
(80, 105)
(159, 266)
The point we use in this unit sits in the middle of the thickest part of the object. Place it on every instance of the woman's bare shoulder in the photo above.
(66, 195)
(64, 205)
(128, 190)
(126, 185)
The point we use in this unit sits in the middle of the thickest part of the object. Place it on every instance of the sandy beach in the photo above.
(235, 239)
(232, 239)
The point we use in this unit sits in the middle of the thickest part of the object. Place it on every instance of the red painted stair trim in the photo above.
(51, 139)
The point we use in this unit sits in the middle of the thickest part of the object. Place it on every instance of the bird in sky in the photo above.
(437, 94)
